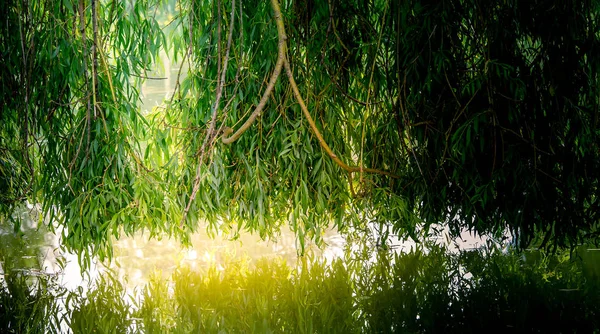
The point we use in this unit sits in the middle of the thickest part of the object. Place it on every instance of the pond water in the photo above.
(36, 250)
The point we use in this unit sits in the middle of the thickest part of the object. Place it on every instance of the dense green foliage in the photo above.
(417, 292)
(480, 115)
(70, 126)
(501, 98)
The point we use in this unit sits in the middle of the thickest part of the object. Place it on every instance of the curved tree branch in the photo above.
(282, 60)
(313, 126)
(281, 46)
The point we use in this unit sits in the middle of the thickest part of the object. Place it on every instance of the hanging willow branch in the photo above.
(210, 134)
(88, 116)
(282, 60)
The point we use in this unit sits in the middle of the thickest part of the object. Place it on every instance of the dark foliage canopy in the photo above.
(476, 114)
(502, 102)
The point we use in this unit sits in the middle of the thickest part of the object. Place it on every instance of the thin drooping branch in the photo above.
(96, 97)
(236, 79)
(94, 57)
(27, 116)
(88, 118)
(219, 68)
(210, 133)
(368, 106)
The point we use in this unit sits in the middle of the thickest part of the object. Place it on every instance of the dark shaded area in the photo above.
(500, 102)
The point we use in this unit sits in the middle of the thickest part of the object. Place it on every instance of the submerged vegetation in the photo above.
(421, 291)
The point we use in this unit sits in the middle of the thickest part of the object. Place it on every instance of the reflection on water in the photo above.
(136, 258)
(35, 251)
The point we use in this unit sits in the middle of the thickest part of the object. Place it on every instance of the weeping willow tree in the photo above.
(71, 131)
(477, 115)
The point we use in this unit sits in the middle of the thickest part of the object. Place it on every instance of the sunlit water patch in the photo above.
(37, 251)
(137, 258)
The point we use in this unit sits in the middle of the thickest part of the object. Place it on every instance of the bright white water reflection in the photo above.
(36, 251)
(136, 258)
